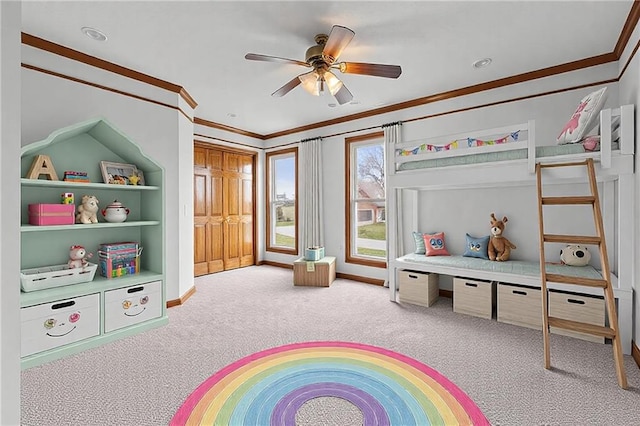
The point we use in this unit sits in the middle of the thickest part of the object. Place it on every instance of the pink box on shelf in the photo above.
(52, 214)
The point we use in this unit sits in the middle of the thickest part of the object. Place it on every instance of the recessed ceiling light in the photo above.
(232, 115)
(332, 105)
(94, 34)
(481, 63)
(354, 102)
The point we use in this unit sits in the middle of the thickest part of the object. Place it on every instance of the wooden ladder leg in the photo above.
(615, 341)
(543, 283)
(606, 273)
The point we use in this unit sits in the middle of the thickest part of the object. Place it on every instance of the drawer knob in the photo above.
(135, 289)
(576, 301)
(415, 277)
(471, 284)
(523, 293)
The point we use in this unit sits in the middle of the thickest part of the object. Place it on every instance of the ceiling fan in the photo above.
(322, 59)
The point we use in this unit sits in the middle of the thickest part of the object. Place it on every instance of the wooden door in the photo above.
(223, 210)
(238, 210)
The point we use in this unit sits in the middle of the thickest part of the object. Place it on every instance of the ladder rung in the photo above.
(587, 282)
(588, 199)
(571, 239)
(549, 165)
(581, 327)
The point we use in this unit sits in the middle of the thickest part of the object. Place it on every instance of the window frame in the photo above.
(270, 195)
(350, 200)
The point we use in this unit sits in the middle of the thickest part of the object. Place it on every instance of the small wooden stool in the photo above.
(319, 273)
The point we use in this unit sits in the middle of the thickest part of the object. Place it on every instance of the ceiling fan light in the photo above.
(309, 82)
(333, 82)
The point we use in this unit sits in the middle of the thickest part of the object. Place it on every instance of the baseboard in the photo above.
(635, 353)
(366, 280)
(182, 299)
(278, 264)
(446, 293)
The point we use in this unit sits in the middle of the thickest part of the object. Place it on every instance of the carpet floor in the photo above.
(144, 379)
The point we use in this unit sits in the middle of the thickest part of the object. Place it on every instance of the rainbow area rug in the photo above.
(268, 388)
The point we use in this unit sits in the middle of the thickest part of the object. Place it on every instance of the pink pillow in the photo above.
(434, 244)
(591, 143)
(584, 118)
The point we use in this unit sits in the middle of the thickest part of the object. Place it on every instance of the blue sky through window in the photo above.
(285, 176)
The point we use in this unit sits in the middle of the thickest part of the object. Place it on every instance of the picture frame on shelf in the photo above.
(117, 173)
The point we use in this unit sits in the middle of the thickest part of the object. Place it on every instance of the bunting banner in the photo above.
(470, 143)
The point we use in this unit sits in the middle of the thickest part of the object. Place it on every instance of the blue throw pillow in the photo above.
(477, 247)
(420, 248)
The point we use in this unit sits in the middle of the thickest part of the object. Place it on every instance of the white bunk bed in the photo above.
(459, 161)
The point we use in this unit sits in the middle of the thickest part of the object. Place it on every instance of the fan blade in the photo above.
(338, 39)
(287, 87)
(343, 95)
(267, 58)
(377, 70)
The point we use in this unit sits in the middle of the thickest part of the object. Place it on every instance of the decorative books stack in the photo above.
(72, 176)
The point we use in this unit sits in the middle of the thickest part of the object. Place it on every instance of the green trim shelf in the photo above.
(86, 227)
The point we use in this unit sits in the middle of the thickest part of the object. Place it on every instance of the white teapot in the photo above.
(115, 212)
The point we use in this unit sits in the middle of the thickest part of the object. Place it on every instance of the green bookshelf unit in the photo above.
(66, 319)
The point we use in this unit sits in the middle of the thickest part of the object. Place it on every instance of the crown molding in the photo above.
(57, 49)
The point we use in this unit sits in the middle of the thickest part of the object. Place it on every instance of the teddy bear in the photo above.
(575, 255)
(87, 210)
(78, 257)
(499, 246)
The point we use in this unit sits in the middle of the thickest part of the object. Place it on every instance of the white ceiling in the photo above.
(200, 46)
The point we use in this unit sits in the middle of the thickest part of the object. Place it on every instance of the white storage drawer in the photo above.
(577, 307)
(473, 297)
(58, 323)
(132, 305)
(520, 305)
(419, 288)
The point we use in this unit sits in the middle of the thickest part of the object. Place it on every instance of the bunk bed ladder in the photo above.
(612, 331)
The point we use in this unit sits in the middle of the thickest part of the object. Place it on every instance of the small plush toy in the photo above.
(575, 255)
(134, 179)
(87, 211)
(78, 257)
(499, 247)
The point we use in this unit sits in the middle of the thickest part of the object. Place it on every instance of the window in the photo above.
(282, 207)
(366, 233)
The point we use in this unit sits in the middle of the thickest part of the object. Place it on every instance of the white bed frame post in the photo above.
(626, 232)
(392, 212)
(627, 129)
(605, 138)
(392, 234)
(626, 256)
(531, 146)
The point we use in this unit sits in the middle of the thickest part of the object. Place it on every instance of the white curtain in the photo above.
(395, 246)
(311, 176)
